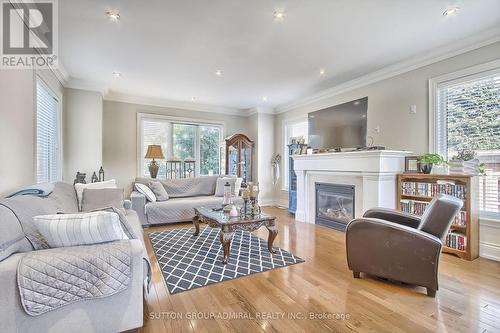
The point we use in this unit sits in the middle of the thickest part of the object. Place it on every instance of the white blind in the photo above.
(48, 162)
(468, 118)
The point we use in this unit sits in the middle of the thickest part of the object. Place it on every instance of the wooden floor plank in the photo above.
(468, 299)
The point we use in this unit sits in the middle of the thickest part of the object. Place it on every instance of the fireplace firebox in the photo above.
(334, 205)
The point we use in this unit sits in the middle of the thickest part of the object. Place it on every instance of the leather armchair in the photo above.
(399, 246)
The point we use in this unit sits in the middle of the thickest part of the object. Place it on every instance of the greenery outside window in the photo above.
(181, 140)
(465, 115)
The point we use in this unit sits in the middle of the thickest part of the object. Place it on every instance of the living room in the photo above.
(319, 166)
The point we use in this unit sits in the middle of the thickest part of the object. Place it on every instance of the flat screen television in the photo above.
(339, 126)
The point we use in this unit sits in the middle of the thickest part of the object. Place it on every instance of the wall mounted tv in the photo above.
(339, 126)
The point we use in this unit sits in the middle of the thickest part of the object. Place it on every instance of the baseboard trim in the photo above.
(489, 251)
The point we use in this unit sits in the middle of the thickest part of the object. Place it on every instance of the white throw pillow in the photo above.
(233, 181)
(60, 230)
(141, 188)
(80, 187)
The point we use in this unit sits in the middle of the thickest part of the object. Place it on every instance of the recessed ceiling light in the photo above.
(357, 103)
(321, 72)
(116, 74)
(113, 15)
(218, 72)
(193, 98)
(279, 14)
(451, 11)
(264, 98)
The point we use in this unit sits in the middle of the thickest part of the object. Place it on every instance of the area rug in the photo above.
(189, 262)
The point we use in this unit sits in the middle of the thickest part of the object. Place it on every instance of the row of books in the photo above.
(418, 208)
(456, 241)
(432, 189)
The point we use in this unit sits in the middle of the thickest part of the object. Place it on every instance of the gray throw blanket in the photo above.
(50, 279)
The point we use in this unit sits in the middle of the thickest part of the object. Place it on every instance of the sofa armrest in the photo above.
(393, 251)
(393, 215)
(138, 201)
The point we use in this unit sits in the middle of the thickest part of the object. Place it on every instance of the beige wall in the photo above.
(120, 135)
(82, 133)
(17, 126)
(389, 102)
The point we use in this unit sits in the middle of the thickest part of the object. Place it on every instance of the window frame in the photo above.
(462, 76)
(286, 124)
(141, 116)
(40, 78)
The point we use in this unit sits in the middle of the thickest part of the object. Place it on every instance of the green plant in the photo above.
(434, 159)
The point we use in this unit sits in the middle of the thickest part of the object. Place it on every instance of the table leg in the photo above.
(196, 222)
(225, 239)
(273, 232)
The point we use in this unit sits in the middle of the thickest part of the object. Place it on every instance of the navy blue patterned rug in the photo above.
(189, 262)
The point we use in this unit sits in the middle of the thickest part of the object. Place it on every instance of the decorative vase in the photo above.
(426, 168)
(153, 168)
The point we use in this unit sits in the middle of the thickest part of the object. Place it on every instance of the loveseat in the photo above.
(184, 196)
(119, 312)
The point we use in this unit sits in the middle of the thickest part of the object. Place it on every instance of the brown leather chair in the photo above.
(399, 246)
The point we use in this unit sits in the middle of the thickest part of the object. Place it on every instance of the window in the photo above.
(467, 117)
(181, 140)
(48, 134)
(292, 130)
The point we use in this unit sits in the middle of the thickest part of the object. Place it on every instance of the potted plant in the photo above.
(465, 162)
(428, 160)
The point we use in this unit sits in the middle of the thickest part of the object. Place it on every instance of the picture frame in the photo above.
(411, 164)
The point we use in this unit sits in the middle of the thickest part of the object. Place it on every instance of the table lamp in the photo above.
(154, 151)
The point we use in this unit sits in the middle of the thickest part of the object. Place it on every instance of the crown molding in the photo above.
(73, 83)
(259, 109)
(466, 45)
(183, 105)
(61, 73)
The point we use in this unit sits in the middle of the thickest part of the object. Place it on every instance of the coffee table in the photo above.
(228, 226)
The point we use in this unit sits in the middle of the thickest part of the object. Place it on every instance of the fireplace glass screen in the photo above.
(334, 205)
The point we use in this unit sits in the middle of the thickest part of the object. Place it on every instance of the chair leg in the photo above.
(431, 292)
(355, 275)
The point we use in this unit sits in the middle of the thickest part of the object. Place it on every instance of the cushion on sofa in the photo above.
(146, 191)
(80, 187)
(159, 191)
(188, 187)
(93, 199)
(80, 229)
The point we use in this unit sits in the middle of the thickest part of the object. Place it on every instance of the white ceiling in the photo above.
(171, 49)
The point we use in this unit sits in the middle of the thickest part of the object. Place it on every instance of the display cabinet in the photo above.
(239, 157)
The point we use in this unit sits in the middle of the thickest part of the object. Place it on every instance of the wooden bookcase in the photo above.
(471, 207)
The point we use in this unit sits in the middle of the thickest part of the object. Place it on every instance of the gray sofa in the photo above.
(119, 312)
(184, 195)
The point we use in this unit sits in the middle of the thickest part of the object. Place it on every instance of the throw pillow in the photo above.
(158, 190)
(62, 230)
(233, 181)
(143, 189)
(80, 187)
(93, 199)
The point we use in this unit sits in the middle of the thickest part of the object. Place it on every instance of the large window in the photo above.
(48, 135)
(181, 140)
(467, 117)
(295, 129)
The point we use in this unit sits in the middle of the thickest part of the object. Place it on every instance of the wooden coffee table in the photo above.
(227, 225)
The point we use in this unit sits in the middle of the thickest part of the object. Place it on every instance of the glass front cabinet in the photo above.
(239, 157)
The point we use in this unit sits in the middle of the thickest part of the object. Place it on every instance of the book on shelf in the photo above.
(416, 207)
(432, 189)
(456, 241)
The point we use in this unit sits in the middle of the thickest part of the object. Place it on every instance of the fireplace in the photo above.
(334, 205)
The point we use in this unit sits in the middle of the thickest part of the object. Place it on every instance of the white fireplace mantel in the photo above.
(373, 173)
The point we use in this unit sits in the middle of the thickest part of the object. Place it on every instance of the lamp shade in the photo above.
(154, 151)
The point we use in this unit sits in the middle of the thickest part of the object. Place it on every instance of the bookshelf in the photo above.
(415, 191)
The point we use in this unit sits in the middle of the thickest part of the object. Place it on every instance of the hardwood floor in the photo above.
(282, 300)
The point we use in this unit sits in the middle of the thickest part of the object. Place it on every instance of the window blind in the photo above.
(468, 118)
(48, 162)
